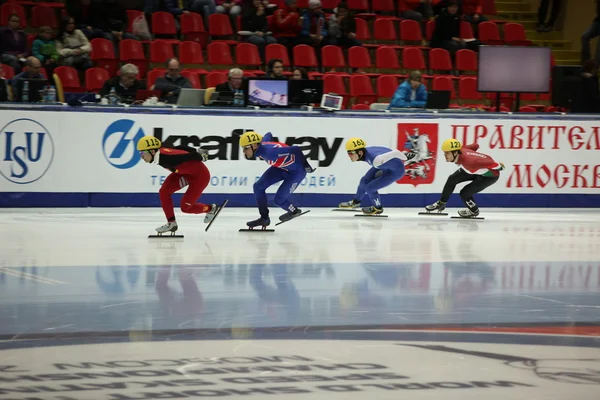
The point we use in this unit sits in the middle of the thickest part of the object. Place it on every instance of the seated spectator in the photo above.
(255, 21)
(235, 78)
(31, 71)
(3, 86)
(202, 7)
(299, 73)
(275, 69)
(112, 19)
(286, 26)
(314, 24)
(44, 49)
(126, 84)
(85, 12)
(231, 7)
(416, 9)
(13, 43)
(411, 93)
(171, 84)
(591, 32)
(73, 46)
(342, 28)
(446, 34)
(471, 11)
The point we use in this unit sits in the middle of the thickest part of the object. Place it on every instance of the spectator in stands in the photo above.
(171, 84)
(275, 69)
(85, 12)
(590, 101)
(203, 7)
(410, 94)
(235, 77)
(44, 49)
(126, 84)
(592, 32)
(471, 11)
(255, 21)
(13, 43)
(73, 46)
(31, 71)
(342, 28)
(286, 26)
(231, 7)
(3, 86)
(446, 34)
(544, 26)
(299, 73)
(314, 23)
(114, 22)
(416, 9)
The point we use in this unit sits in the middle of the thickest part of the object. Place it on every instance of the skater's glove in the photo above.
(204, 154)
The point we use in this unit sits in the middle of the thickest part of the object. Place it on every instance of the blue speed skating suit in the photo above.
(288, 164)
(387, 167)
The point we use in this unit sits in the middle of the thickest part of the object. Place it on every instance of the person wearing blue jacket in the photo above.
(387, 167)
(410, 94)
(288, 165)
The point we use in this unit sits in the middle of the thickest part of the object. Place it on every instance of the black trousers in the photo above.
(478, 183)
(543, 11)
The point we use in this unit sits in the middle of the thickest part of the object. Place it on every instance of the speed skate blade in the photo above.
(344, 209)
(216, 214)
(467, 218)
(371, 215)
(434, 213)
(302, 213)
(257, 230)
(165, 236)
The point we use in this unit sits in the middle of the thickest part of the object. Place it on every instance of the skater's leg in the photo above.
(364, 181)
(386, 178)
(478, 185)
(288, 186)
(197, 183)
(172, 183)
(270, 177)
(453, 180)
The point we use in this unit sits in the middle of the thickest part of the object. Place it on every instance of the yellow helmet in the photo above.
(355, 144)
(148, 143)
(451, 145)
(249, 138)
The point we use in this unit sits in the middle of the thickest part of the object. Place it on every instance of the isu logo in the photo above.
(422, 140)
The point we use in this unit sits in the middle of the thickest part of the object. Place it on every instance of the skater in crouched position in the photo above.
(478, 168)
(287, 164)
(187, 169)
(387, 167)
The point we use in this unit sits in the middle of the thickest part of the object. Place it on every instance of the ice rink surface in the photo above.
(329, 306)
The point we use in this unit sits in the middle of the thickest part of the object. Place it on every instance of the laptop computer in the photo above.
(191, 97)
(438, 99)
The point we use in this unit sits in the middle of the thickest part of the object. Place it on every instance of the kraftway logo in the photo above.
(228, 147)
(119, 143)
(26, 151)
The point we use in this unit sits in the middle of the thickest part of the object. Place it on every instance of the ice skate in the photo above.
(264, 222)
(290, 215)
(467, 213)
(371, 210)
(438, 206)
(211, 214)
(168, 227)
(349, 204)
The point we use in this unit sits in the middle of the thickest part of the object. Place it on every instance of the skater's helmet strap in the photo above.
(355, 144)
(249, 138)
(148, 143)
(451, 145)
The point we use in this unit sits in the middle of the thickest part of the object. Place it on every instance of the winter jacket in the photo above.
(402, 96)
(44, 50)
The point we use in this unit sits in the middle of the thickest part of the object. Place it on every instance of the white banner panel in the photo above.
(94, 152)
